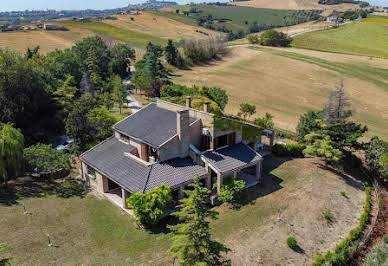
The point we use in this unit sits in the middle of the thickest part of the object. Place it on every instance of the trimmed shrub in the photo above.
(292, 243)
(293, 150)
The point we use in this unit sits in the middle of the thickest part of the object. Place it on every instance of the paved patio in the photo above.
(114, 196)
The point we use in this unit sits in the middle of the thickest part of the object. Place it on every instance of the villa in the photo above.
(171, 144)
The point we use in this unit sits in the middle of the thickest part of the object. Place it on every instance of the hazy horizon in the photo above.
(18, 5)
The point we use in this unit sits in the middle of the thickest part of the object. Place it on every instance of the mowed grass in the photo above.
(83, 229)
(287, 84)
(137, 39)
(88, 231)
(369, 38)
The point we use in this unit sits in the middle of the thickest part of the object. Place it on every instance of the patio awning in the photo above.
(237, 156)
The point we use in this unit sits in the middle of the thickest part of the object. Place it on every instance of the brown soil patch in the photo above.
(286, 87)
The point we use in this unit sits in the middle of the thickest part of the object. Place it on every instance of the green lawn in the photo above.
(361, 38)
(134, 38)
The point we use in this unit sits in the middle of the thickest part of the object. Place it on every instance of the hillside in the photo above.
(295, 5)
(288, 82)
(145, 27)
(368, 37)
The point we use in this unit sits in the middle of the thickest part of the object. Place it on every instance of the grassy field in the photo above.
(88, 231)
(146, 27)
(287, 84)
(236, 18)
(295, 5)
(134, 38)
(47, 40)
(367, 38)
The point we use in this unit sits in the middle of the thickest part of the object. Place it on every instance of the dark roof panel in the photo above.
(108, 158)
(231, 157)
(152, 124)
(173, 172)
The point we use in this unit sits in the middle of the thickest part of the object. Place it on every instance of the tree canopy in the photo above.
(149, 206)
(192, 242)
(45, 159)
(11, 152)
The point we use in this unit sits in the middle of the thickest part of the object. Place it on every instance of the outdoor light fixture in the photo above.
(49, 240)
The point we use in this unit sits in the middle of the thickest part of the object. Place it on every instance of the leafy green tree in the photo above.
(308, 123)
(275, 38)
(102, 121)
(150, 72)
(192, 243)
(171, 53)
(4, 260)
(122, 55)
(377, 158)
(45, 159)
(66, 93)
(216, 94)
(119, 93)
(11, 152)
(64, 63)
(247, 110)
(231, 191)
(337, 112)
(379, 255)
(149, 207)
(253, 39)
(265, 122)
(107, 100)
(321, 146)
(78, 126)
(26, 87)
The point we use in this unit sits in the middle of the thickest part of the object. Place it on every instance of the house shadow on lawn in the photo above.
(32, 187)
(270, 183)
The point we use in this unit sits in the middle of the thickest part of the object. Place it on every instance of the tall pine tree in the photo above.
(192, 243)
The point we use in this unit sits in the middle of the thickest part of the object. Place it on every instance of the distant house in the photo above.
(333, 19)
(171, 144)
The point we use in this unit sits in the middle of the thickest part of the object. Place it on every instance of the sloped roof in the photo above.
(173, 172)
(152, 124)
(109, 159)
(231, 157)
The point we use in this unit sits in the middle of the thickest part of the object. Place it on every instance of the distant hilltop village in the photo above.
(152, 4)
(40, 16)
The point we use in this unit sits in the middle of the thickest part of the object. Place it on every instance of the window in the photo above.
(222, 141)
(124, 137)
(91, 172)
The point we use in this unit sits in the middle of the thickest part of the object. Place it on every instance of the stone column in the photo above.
(219, 182)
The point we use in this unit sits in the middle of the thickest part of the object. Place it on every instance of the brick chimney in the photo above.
(188, 102)
(183, 131)
(206, 107)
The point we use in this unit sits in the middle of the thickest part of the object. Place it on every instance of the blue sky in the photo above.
(8, 5)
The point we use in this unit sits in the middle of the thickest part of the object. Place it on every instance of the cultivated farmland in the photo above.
(287, 84)
(235, 18)
(367, 37)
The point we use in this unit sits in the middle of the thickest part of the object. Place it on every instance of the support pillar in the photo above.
(259, 170)
(235, 174)
(124, 196)
(181, 193)
(208, 181)
(219, 182)
(271, 140)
